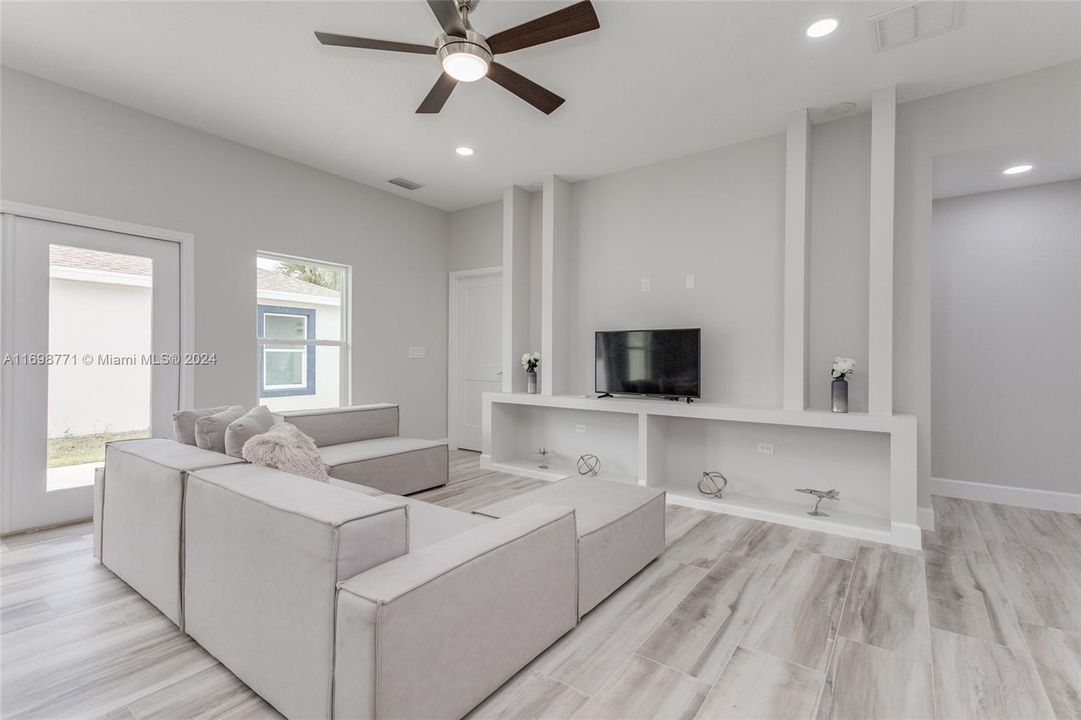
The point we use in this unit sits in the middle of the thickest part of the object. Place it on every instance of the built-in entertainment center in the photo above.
(766, 453)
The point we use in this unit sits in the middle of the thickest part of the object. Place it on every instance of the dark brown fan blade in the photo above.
(573, 20)
(437, 96)
(544, 100)
(369, 44)
(446, 12)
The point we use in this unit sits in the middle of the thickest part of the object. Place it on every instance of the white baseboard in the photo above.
(1007, 495)
(926, 518)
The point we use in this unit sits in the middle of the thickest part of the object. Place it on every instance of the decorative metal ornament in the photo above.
(544, 453)
(713, 484)
(589, 465)
(821, 495)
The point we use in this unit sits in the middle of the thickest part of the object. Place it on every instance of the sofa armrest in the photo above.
(334, 426)
(490, 600)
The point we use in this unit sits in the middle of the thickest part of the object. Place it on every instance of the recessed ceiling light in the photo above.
(822, 28)
(464, 151)
(1016, 169)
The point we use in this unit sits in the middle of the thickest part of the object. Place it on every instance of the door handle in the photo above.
(499, 373)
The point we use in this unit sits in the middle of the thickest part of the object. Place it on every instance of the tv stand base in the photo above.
(605, 395)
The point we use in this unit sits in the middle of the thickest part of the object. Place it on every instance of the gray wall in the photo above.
(837, 288)
(72, 151)
(1006, 338)
(1042, 106)
(476, 237)
(718, 215)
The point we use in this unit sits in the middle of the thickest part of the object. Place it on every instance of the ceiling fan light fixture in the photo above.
(464, 59)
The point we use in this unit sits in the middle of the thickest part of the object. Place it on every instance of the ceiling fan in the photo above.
(466, 55)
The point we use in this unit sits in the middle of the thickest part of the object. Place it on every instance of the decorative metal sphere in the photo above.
(712, 484)
(589, 465)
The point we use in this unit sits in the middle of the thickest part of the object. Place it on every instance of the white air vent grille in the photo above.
(403, 183)
(915, 21)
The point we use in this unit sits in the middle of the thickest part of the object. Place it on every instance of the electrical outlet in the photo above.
(645, 284)
(689, 282)
(764, 448)
(579, 428)
(418, 352)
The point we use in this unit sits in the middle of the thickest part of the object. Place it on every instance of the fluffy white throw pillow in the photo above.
(284, 447)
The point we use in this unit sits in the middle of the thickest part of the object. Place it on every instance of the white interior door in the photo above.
(91, 345)
(479, 348)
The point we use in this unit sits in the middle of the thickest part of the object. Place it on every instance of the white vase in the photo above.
(531, 384)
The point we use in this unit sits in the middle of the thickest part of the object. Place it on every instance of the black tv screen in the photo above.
(649, 362)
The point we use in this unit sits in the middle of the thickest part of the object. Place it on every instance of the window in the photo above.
(286, 370)
(302, 330)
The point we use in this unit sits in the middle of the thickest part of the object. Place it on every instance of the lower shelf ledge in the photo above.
(554, 471)
(862, 527)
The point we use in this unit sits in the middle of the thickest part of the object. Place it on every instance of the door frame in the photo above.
(10, 210)
(456, 277)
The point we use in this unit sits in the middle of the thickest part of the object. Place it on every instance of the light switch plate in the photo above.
(418, 352)
(689, 282)
(645, 284)
(765, 448)
(579, 428)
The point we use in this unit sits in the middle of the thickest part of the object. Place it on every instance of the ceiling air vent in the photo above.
(403, 183)
(915, 21)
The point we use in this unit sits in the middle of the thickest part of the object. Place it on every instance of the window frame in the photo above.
(287, 345)
(343, 344)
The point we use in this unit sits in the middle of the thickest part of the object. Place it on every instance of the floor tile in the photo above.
(799, 618)
(756, 686)
(867, 682)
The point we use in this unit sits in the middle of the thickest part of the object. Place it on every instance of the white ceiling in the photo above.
(980, 170)
(658, 80)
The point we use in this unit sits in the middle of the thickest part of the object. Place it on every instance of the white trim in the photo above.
(926, 517)
(1007, 495)
(186, 391)
(455, 278)
(880, 255)
(298, 297)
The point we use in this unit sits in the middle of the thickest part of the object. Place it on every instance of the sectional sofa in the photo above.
(337, 600)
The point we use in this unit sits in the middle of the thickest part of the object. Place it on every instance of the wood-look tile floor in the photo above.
(737, 619)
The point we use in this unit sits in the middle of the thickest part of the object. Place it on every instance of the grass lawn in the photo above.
(78, 449)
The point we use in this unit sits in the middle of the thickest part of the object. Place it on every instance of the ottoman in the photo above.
(620, 529)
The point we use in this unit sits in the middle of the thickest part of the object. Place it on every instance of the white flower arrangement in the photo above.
(531, 361)
(843, 367)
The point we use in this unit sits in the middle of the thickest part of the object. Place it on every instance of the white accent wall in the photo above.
(1006, 338)
(718, 215)
(69, 150)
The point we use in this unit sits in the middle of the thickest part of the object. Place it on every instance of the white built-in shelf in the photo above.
(662, 444)
(555, 470)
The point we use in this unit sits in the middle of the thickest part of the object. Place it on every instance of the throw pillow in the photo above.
(257, 420)
(184, 422)
(210, 430)
(284, 447)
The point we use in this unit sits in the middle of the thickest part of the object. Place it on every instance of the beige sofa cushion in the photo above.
(264, 553)
(431, 634)
(335, 426)
(184, 422)
(395, 465)
(140, 521)
(255, 421)
(429, 524)
(210, 429)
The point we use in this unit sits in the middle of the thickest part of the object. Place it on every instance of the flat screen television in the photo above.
(663, 363)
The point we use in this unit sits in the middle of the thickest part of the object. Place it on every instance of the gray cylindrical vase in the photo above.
(531, 384)
(839, 396)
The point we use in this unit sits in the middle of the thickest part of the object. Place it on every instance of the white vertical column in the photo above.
(880, 309)
(516, 211)
(555, 211)
(796, 233)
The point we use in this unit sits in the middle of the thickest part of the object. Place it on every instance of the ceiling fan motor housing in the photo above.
(472, 44)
